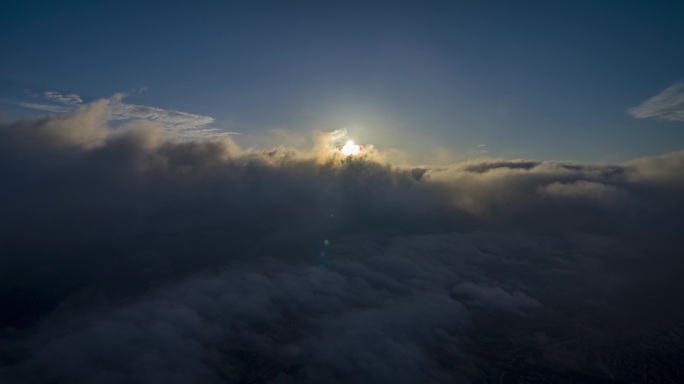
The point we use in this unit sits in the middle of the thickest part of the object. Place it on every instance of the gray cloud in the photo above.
(668, 104)
(131, 256)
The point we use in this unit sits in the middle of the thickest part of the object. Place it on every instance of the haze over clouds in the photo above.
(131, 256)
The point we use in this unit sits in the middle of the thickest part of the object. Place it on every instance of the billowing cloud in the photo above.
(668, 104)
(129, 256)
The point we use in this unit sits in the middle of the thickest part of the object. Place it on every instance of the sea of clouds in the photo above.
(128, 256)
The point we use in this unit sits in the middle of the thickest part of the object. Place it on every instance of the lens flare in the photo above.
(350, 149)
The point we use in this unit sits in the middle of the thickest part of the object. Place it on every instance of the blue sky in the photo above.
(438, 80)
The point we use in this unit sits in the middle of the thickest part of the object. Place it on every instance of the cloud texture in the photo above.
(187, 125)
(668, 104)
(127, 256)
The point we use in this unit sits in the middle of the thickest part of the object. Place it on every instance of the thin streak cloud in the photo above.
(44, 107)
(183, 123)
(668, 104)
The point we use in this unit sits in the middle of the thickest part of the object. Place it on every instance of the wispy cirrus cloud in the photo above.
(70, 99)
(668, 104)
(168, 117)
(180, 122)
(43, 107)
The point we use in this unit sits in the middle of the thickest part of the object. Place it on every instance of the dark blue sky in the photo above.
(546, 80)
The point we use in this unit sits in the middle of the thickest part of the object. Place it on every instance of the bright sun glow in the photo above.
(350, 149)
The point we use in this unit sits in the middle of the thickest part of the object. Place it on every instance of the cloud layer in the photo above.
(128, 256)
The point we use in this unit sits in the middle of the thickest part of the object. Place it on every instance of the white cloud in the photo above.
(187, 124)
(70, 99)
(169, 118)
(668, 104)
(44, 107)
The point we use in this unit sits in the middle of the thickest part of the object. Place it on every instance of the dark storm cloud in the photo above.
(128, 256)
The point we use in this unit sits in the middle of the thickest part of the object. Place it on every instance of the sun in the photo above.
(350, 149)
